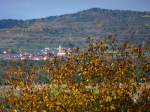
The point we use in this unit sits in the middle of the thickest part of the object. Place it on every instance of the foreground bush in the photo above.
(108, 76)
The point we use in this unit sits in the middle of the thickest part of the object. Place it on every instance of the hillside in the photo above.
(73, 29)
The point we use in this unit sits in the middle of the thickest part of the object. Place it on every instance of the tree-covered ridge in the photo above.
(73, 28)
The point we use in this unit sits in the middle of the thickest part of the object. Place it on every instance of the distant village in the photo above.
(44, 54)
(49, 54)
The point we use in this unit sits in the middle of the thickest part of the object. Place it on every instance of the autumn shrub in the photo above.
(109, 76)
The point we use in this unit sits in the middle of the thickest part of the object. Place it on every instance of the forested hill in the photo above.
(71, 29)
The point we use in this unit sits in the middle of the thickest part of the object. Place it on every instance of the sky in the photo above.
(30, 9)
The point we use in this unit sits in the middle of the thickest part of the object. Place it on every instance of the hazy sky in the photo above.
(27, 9)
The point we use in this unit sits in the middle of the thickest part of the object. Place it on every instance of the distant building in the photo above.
(45, 58)
(61, 51)
(45, 50)
(4, 52)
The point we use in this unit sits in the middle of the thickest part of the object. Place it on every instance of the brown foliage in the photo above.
(104, 78)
